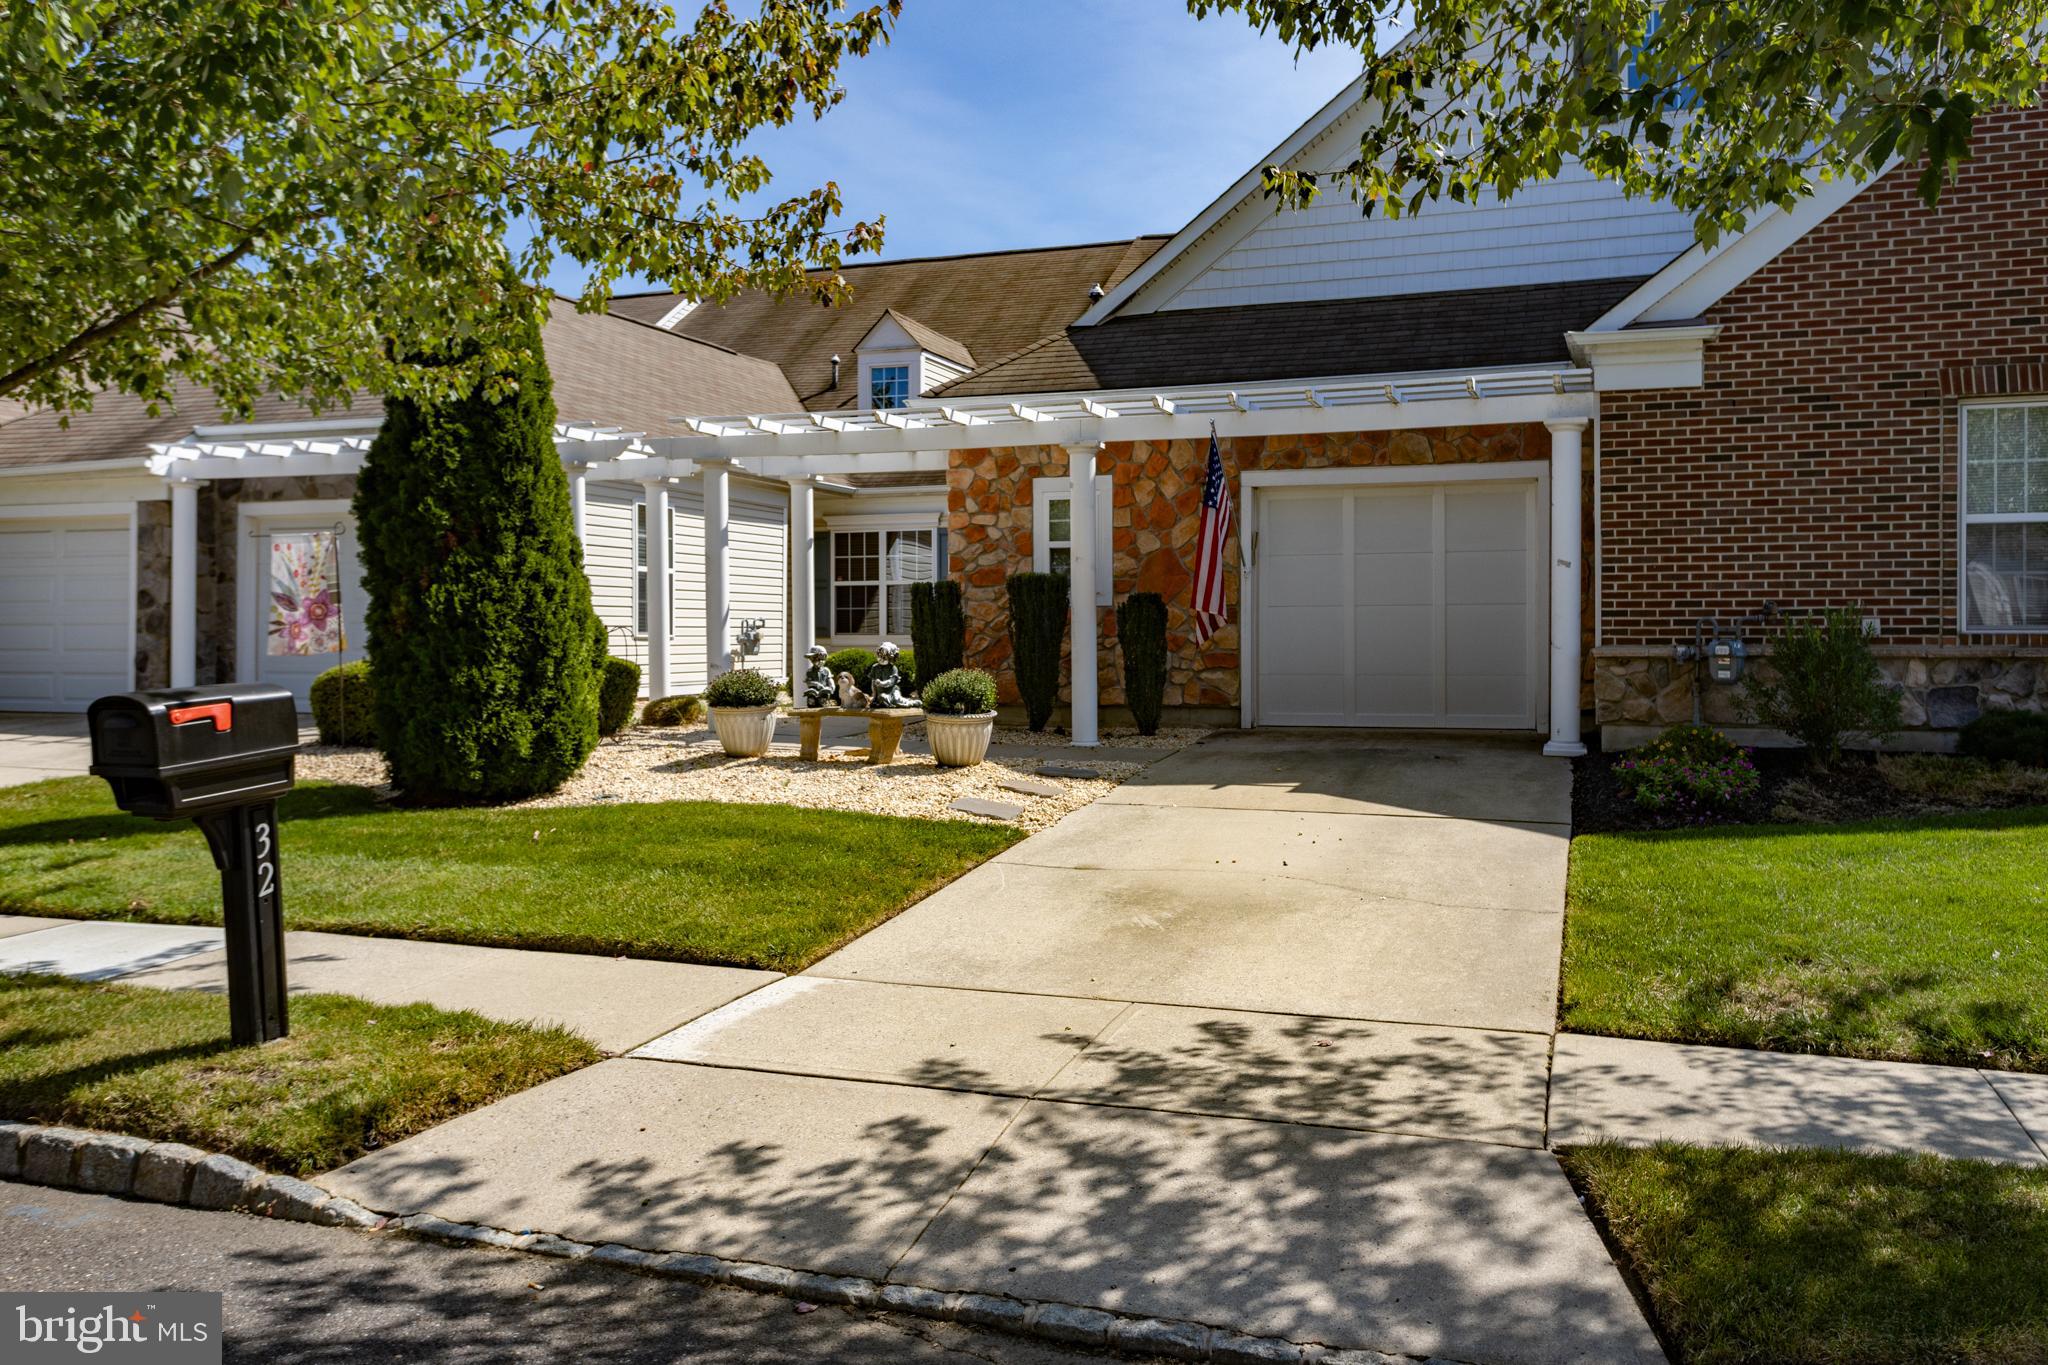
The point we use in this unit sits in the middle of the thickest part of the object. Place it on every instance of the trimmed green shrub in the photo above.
(741, 687)
(1038, 625)
(480, 627)
(1141, 636)
(960, 692)
(856, 661)
(938, 627)
(617, 689)
(1688, 766)
(1823, 684)
(343, 705)
(1996, 736)
(672, 711)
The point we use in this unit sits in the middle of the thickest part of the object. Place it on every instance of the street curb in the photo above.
(166, 1173)
(172, 1173)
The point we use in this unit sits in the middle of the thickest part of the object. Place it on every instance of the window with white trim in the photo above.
(2005, 517)
(640, 568)
(1052, 532)
(872, 571)
(888, 386)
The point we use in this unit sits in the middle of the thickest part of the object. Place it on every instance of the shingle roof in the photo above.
(1466, 328)
(991, 303)
(607, 370)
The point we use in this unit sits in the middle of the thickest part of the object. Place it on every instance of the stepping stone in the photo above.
(994, 810)
(1028, 786)
(1073, 770)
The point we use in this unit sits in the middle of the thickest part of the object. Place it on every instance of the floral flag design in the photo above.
(305, 595)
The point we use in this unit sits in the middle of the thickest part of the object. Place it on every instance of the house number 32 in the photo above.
(266, 866)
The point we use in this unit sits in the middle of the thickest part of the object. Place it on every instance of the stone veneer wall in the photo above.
(1155, 517)
(1945, 687)
(219, 551)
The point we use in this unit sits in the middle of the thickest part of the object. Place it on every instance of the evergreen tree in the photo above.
(481, 635)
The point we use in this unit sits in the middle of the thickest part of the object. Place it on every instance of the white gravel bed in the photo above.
(649, 764)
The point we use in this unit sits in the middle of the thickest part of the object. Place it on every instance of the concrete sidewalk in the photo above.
(36, 745)
(617, 1003)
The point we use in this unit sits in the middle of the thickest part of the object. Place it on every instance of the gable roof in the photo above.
(1401, 334)
(990, 303)
(923, 337)
(607, 371)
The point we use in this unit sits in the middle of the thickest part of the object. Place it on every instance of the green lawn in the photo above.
(1921, 940)
(1828, 1258)
(352, 1076)
(751, 886)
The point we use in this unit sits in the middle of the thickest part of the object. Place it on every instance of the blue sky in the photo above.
(1006, 123)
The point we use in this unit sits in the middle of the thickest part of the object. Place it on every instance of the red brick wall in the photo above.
(1156, 513)
(1818, 466)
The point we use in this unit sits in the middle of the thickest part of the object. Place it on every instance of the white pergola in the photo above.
(800, 447)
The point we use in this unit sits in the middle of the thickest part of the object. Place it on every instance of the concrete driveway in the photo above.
(35, 745)
(1260, 1041)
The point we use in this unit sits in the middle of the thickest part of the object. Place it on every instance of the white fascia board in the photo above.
(322, 426)
(1645, 357)
(1701, 278)
(60, 468)
(1247, 186)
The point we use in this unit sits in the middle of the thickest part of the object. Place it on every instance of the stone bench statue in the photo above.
(881, 704)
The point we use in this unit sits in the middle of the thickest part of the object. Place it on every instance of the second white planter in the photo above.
(744, 731)
(960, 741)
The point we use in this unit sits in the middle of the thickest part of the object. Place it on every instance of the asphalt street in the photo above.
(296, 1293)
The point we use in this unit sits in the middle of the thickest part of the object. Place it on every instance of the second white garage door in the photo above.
(1399, 606)
(65, 612)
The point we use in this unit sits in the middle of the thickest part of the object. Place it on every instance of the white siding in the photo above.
(686, 549)
(1574, 227)
(760, 568)
(608, 563)
(760, 556)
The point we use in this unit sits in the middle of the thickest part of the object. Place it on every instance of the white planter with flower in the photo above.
(960, 716)
(742, 706)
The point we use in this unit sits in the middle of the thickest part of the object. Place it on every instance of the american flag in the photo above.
(1208, 603)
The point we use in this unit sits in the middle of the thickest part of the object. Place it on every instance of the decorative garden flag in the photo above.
(1208, 597)
(305, 594)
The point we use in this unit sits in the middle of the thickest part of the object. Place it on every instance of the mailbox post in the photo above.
(220, 756)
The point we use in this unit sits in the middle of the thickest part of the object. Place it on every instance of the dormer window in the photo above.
(888, 386)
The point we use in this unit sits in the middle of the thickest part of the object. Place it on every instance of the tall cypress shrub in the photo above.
(938, 628)
(1038, 623)
(1141, 636)
(480, 631)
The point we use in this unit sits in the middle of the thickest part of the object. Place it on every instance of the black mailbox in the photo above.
(189, 750)
(220, 756)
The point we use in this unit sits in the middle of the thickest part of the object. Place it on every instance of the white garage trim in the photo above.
(1251, 482)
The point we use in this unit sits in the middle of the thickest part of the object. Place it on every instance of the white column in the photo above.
(1085, 627)
(717, 570)
(578, 475)
(803, 571)
(184, 583)
(658, 681)
(1566, 438)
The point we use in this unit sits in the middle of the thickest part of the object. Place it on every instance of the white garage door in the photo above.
(65, 612)
(1399, 606)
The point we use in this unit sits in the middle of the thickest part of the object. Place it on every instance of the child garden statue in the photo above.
(819, 687)
(885, 681)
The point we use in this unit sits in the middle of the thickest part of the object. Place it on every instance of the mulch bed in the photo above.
(1791, 792)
